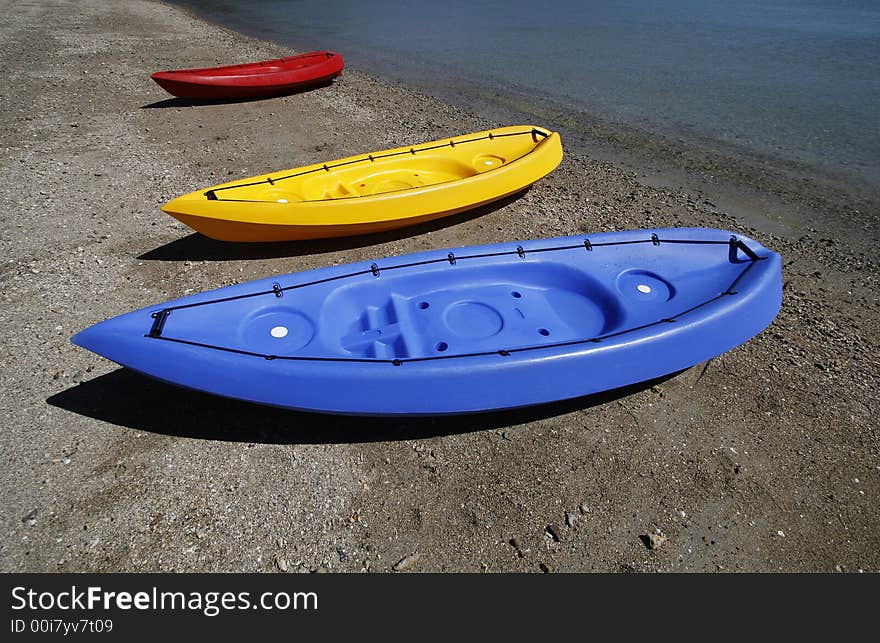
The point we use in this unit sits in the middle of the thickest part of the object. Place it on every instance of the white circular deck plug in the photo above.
(278, 332)
(644, 288)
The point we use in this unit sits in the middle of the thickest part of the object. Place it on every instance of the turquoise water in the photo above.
(795, 80)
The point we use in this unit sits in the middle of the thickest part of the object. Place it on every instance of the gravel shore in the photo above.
(765, 459)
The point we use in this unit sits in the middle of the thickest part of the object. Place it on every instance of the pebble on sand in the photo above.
(406, 563)
(517, 547)
(653, 540)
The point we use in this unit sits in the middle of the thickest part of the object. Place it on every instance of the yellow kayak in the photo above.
(373, 192)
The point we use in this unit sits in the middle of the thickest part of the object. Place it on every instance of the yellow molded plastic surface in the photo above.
(373, 192)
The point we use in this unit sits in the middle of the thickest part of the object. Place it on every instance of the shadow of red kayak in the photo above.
(191, 102)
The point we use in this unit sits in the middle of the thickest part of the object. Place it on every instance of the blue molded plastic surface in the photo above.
(462, 330)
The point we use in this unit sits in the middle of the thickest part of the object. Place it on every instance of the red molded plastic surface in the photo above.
(253, 80)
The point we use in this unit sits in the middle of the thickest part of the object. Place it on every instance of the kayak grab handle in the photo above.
(737, 244)
(158, 322)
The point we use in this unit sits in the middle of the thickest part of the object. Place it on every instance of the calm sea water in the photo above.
(787, 79)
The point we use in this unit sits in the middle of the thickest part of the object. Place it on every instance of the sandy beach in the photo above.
(765, 459)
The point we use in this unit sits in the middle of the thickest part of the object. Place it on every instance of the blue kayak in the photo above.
(461, 330)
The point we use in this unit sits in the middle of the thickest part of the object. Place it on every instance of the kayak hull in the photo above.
(463, 330)
(252, 80)
(374, 192)
(267, 232)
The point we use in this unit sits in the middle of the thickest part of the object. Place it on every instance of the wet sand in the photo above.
(764, 459)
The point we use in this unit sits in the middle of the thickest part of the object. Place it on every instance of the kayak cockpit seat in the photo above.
(484, 308)
(383, 176)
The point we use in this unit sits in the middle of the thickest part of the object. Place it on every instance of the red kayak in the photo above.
(253, 80)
